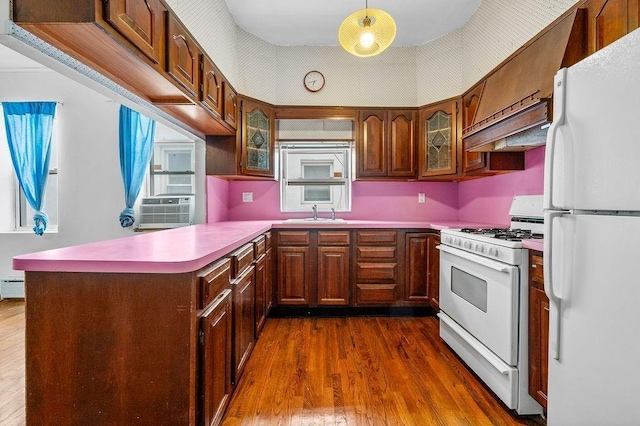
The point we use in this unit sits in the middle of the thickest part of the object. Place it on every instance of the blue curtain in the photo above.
(29, 128)
(136, 144)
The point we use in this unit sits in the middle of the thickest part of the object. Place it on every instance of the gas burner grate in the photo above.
(504, 233)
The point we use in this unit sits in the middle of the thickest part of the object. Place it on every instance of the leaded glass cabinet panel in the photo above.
(257, 141)
(438, 140)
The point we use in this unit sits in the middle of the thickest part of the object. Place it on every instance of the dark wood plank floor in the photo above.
(361, 371)
(319, 371)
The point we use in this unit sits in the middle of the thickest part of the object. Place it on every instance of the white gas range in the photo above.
(484, 301)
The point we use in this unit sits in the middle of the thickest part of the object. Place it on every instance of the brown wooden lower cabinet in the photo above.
(243, 320)
(433, 270)
(261, 293)
(333, 276)
(215, 386)
(293, 276)
(390, 268)
(422, 274)
(377, 268)
(538, 330)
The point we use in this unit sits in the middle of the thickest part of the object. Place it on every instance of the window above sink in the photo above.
(315, 164)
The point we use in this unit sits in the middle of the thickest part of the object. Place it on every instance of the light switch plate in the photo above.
(421, 198)
(247, 197)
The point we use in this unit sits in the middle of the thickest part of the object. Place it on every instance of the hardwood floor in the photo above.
(361, 371)
(12, 363)
(317, 371)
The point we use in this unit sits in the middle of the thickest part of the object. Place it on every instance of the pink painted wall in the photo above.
(488, 199)
(217, 200)
(371, 201)
(481, 200)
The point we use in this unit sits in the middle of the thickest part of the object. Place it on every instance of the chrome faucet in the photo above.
(333, 213)
(315, 211)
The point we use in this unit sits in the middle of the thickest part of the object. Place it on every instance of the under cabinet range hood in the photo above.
(512, 106)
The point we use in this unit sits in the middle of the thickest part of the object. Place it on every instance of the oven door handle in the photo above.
(496, 266)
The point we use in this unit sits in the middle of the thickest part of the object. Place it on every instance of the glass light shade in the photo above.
(379, 23)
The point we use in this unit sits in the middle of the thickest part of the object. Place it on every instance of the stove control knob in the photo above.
(456, 241)
(467, 245)
(493, 251)
(479, 248)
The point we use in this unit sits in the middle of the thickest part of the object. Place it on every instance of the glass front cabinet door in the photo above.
(438, 146)
(257, 139)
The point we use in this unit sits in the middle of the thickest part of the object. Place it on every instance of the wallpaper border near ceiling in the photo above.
(400, 76)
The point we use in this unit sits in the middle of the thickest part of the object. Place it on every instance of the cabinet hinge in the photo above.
(201, 337)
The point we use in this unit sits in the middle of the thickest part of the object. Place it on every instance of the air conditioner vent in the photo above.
(166, 212)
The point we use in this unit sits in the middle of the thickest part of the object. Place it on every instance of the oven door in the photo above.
(481, 295)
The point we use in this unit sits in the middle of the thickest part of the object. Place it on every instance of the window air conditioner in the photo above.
(166, 212)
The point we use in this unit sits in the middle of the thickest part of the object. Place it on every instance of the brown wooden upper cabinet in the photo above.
(212, 81)
(472, 160)
(183, 61)
(250, 152)
(258, 139)
(608, 20)
(438, 139)
(385, 146)
(230, 106)
(142, 23)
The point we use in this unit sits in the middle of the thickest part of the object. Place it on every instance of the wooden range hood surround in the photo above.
(517, 95)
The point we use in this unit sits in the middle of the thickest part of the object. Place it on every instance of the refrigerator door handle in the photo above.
(558, 120)
(554, 299)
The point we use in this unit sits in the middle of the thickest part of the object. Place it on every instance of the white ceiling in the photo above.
(315, 23)
(10, 59)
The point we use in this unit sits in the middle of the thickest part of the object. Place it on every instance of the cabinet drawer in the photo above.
(377, 253)
(375, 294)
(376, 238)
(259, 246)
(333, 238)
(213, 281)
(293, 238)
(241, 259)
(268, 241)
(536, 269)
(377, 273)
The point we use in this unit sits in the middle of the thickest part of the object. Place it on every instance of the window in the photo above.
(22, 213)
(317, 193)
(172, 168)
(315, 173)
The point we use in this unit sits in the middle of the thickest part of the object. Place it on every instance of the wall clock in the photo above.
(313, 81)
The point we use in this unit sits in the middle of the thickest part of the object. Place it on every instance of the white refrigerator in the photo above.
(592, 240)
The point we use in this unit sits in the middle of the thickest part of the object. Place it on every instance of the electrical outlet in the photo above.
(421, 198)
(247, 197)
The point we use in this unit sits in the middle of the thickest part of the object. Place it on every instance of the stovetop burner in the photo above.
(504, 233)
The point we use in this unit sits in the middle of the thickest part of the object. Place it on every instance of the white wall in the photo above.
(400, 76)
(91, 194)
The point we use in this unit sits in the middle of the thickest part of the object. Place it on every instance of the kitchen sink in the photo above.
(312, 220)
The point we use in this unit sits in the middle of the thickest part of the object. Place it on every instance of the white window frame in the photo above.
(314, 148)
(171, 147)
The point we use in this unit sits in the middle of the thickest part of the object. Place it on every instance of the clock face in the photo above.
(314, 81)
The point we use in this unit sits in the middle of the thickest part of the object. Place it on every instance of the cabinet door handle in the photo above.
(216, 302)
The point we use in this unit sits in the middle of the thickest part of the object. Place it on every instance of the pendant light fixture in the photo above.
(367, 32)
